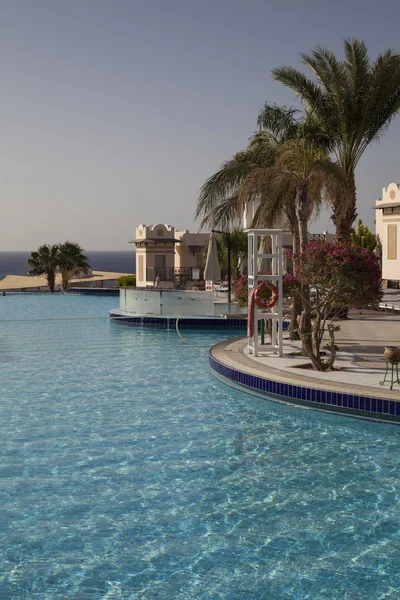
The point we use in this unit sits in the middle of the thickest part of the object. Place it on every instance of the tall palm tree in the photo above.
(353, 101)
(44, 261)
(71, 260)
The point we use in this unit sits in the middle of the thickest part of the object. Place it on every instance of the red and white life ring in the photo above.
(259, 301)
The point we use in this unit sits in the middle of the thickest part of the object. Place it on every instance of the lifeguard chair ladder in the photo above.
(256, 256)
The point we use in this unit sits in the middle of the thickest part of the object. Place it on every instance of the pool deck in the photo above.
(360, 364)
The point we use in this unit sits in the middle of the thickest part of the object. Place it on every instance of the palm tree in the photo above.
(304, 166)
(241, 179)
(253, 175)
(353, 101)
(71, 260)
(45, 262)
(237, 240)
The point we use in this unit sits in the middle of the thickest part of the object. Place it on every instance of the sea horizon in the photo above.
(118, 261)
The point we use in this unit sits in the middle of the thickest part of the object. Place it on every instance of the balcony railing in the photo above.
(176, 274)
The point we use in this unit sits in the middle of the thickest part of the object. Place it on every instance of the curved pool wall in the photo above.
(170, 321)
(164, 308)
(167, 302)
(307, 396)
(110, 291)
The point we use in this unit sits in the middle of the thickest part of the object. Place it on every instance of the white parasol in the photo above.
(212, 272)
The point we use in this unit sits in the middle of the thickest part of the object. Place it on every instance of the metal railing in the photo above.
(176, 274)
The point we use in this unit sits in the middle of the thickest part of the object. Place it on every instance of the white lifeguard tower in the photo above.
(265, 254)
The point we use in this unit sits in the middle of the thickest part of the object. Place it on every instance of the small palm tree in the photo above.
(45, 262)
(353, 101)
(237, 242)
(71, 260)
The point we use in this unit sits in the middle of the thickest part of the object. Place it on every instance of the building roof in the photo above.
(196, 246)
(387, 205)
(156, 240)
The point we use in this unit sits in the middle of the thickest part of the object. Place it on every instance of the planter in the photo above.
(392, 353)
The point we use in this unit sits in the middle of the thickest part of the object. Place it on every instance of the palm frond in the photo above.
(280, 122)
(310, 92)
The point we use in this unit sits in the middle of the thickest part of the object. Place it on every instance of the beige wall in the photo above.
(155, 252)
(390, 266)
(188, 251)
(184, 253)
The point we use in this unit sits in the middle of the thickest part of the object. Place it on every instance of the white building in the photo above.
(387, 225)
(166, 256)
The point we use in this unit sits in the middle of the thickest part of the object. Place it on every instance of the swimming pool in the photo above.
(128, 471)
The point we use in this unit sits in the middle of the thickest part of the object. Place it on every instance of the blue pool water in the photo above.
(128, 472)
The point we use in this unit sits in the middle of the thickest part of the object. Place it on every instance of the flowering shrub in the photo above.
(240, 290)
(290, 282)
(341, 276)
(333, 277)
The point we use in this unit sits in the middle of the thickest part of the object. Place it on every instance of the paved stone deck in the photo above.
(360, 361)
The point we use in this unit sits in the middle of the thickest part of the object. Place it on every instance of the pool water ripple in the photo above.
(128, 472)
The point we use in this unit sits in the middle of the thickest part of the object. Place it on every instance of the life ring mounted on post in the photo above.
(262, 303)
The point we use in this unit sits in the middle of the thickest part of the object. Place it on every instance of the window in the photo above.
(389, 210)
(141, 276)
(392, 242)
(159, 261)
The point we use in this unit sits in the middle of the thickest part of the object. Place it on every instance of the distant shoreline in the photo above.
(118, 261)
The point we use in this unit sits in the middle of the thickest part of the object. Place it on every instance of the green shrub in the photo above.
(126, 281)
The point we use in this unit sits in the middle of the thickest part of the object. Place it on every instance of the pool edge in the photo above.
(308, 397)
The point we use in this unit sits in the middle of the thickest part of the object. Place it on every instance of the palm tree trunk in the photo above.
(345, 213)
(302, 213)
(65, 276)
(296, 252)
(303, 237)
(296, 299)
(51, 281)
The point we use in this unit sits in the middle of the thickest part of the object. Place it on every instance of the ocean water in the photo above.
(14, 263)
(129, 472)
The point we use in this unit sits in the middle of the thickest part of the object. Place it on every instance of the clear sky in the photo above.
(114, 112)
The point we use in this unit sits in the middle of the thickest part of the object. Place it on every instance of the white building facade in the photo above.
(167, 257)
(388, 229)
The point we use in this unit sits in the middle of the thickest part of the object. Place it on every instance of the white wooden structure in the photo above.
(258, 240)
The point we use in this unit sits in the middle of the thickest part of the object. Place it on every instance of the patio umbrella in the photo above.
(212, 270)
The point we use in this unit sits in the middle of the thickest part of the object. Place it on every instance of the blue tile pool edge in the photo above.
(351, 405)
(165, 322)
(185, 322)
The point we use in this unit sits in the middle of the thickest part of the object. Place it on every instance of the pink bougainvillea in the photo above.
(341, 275)
(333, 278)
